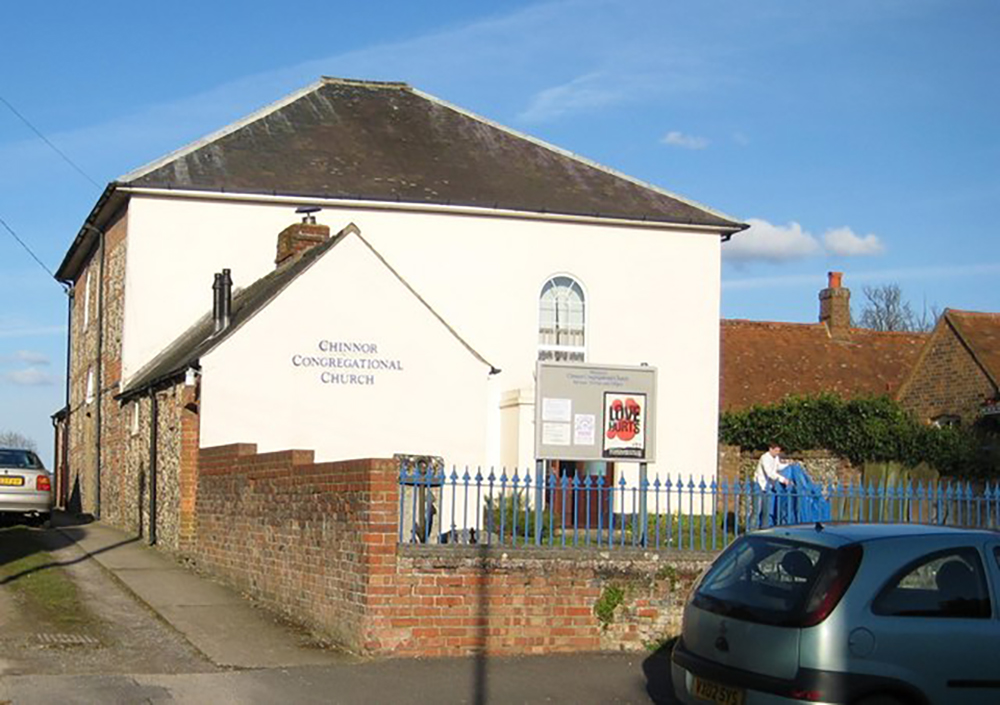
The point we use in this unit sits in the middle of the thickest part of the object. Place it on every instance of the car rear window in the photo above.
(764, 580)
(19, 459)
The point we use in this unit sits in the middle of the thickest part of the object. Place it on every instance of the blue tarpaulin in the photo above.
(799, 502)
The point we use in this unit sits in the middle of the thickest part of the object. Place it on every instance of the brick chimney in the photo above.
(297, 238)
(835, 306)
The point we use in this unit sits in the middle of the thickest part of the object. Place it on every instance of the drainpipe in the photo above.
(100, 365)
(63, 476)
(154, 437)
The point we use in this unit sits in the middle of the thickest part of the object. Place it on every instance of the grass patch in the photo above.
(42, 589)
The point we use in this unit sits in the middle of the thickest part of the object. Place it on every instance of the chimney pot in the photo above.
(834, 279)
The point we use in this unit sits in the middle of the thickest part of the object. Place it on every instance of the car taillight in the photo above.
(43, 484)
(832, 585)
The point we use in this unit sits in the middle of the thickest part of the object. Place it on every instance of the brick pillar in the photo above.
(188, 480)
(380, 545)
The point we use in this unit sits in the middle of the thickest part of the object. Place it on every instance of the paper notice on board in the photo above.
(584, 430)
(560, 410)
(555, 434)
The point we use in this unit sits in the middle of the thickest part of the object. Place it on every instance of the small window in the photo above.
(561, 320)
(134, 418)
(90, 385)
(947, 584)
(946, 421)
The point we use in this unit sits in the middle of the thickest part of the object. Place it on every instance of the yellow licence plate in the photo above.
(12, 480)
(716, 693)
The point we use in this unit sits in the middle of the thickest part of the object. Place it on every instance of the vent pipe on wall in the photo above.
(222, 301)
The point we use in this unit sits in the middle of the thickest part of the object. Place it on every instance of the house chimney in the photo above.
(297, 238)
(222, 302)
(835, 306)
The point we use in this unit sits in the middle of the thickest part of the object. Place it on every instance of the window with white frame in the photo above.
(561, 320)
(134, 419)
(90, 385)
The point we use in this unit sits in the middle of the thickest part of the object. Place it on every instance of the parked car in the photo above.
(845, 613)
(25, 485)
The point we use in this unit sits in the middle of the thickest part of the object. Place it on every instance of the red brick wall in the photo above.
(319, 542)
(947, 380)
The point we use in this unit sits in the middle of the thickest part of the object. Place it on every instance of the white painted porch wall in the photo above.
(434, 405)
(652, 294)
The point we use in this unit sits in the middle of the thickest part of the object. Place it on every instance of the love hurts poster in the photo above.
(624, 425)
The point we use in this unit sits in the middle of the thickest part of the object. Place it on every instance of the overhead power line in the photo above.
(23, 244)
(46, 141)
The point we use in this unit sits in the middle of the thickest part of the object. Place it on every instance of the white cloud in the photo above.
(766, 242)
(582, 93)
(32, 358)
(679, 139)
(771, 243)
(846, 243)
(31, 377)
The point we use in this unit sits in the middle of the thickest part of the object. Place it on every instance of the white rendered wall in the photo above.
(652, 294)
(257, 386)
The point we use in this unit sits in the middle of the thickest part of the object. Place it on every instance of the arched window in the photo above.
(561, 320)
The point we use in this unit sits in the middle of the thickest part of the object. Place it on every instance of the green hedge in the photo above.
(861, 430)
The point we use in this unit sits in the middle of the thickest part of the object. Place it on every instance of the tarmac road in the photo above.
(171, 636)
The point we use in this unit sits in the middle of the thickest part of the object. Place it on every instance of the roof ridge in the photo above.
(963, 312)
(754, 322)
(338, 80)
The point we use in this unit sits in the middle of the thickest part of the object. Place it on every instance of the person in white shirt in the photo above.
(767, 476)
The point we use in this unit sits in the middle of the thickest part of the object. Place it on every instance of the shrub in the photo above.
(862, 430)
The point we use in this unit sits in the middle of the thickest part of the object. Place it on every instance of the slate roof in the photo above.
(389, 142)
(762, 362)
(981, 334)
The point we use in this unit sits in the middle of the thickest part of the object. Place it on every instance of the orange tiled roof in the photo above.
(762, 362)
(981, 333)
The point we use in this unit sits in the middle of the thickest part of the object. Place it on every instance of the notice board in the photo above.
(595, 412)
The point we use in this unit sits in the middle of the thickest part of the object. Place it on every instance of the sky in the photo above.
(853, 135)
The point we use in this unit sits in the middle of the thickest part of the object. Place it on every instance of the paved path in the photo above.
(218, 621)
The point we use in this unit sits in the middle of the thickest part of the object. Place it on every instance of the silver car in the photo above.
(25, 486)
(845, 613)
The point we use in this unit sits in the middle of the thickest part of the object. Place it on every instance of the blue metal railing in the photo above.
(502, 508)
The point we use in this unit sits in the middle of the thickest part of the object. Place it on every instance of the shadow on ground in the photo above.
(19, 540)
(656, 667)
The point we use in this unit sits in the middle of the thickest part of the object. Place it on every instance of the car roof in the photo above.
(835, 534)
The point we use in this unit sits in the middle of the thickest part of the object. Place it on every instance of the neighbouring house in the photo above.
(461, 253)
(762, 362)
(956, 380)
